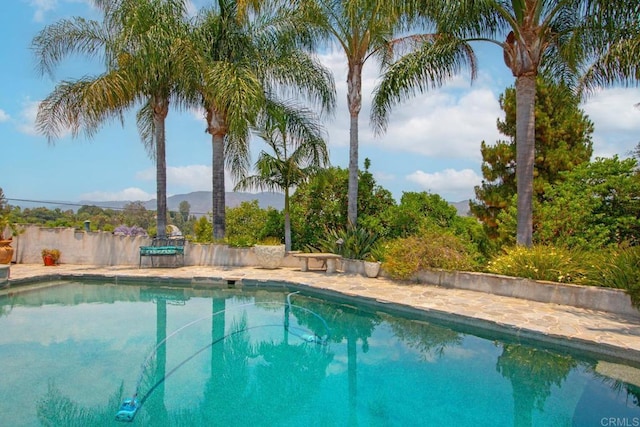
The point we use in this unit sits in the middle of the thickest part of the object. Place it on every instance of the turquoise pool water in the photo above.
(71, 353)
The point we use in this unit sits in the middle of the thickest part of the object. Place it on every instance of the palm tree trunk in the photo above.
(525, 155)
(217, 128)
(161, 108)
(287, 221)
(354, 99)
(217, 185)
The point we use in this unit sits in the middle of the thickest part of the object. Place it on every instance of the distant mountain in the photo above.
(462, 207)
(200, 201)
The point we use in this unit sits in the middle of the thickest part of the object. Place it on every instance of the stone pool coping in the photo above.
(614, 336)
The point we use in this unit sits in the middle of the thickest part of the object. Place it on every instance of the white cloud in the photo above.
(448, 122)
(616, 120)
(444, 124)
(450, 184)
(131, 193)
(186, 178)
(27, 120)
(41, 7)
(197, 177)
(198, 113)
(192, 9)
(4, 117)
(614, 109)
(383, 177)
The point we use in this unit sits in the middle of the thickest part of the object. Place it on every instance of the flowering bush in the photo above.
(542, 263)
(123, 230)
(432, 248)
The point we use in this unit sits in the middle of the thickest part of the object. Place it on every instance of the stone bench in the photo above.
(164, 247)
(329, 260)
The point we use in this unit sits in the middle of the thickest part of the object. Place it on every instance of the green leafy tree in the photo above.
(248, 53)
(296, 139)
(135, 213)
(596, 205)
(373, 200)
(636, 152)
(563, 141)
(183, 218)
(559, 36)
(320, 205)
(7, 218)
(202, 230)
(142, 42)
(246, 224)
(184, 208)
(416, 211)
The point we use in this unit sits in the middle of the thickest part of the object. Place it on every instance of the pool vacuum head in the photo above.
(127, 410)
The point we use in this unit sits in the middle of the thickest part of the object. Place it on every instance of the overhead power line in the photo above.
(48, 202)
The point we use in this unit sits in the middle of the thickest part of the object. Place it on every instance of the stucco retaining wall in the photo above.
(590, 297)
(106, 249)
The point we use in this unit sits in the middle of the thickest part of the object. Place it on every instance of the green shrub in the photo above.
(432, 248)
(620, 269)
(270, 241)
(203, 230)
(543, 263)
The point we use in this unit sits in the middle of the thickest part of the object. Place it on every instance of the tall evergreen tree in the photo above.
(563, 141)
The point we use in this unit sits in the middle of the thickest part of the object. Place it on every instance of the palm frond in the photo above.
(83, 104)
(147, 129)
(237, 156)
(428, 67)
(67, 37)
(292, 72)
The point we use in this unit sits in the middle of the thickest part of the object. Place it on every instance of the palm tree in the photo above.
(142, 43)
(295, 137)
(535, 35)
(362, 28)
(250, 54)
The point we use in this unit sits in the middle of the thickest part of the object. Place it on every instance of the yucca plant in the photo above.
(350, 242)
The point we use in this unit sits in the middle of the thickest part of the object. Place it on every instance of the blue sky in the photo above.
(432, 143)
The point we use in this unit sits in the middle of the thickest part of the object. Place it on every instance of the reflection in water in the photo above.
(376, 369)
(156, 406)
(427, 338)
(532, 372)
(55, 409)
(351, 324)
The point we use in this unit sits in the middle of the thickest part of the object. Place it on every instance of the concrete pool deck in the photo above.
(599, 332)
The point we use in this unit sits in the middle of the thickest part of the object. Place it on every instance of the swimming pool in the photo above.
(71, 352)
